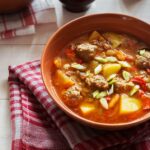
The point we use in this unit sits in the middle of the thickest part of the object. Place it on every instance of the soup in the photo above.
(104, 77)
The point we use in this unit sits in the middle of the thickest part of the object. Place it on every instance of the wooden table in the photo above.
(22, 49)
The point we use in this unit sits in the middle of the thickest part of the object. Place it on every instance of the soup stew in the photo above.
(104, 77)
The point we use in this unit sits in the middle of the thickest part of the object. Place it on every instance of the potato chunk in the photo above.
(96, 36)
(63, 79)
(109, 69)
(114, 38)
(87, 108)
(129, 104)
(58, 62)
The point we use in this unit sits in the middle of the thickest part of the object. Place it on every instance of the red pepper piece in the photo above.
(140, 81)
(108, 98)
(80, 61)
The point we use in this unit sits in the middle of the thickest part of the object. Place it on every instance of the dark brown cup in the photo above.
(77, 5)
(11, 6)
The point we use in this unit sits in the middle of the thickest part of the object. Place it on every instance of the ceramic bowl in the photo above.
(76, 28)
(10, 6)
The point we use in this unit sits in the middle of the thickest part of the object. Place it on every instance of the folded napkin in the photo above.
(38, 124)
(23, 22)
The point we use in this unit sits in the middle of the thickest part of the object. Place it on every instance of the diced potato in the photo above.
(129, 104)
(63, 79)
(58, 62)
(87, 108)
(109, 69)
(96, 36)
(110, 52)
(114, 38)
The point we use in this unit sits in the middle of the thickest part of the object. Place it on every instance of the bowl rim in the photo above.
(68, 111)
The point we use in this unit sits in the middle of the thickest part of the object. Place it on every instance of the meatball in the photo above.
(102, 45)
(146, 54)
(97, 81)
(121, 85)
(82, 75)
(86, 51)
(74, 92)
(143, 61)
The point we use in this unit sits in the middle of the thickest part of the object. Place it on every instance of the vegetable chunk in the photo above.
(114, 38)
(129, 104)
(58, 62)
(96, 36)
(114, 100)
(109, 69)
(87, 108)
(63, 79)
(104, 103)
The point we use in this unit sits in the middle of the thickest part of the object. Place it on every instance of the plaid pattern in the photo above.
(37, 123)
(23, 23)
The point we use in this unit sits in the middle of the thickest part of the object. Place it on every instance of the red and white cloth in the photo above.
(38, 124)
(23, 22)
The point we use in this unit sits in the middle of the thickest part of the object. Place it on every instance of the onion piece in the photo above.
(101, 94)
(111, 59)
(98, 69)
(134, 90)
(141, 52)
(111, 90)
(126, 75)
(101, 59)
(124, 64)
(78, 66)
(95, 93)
(112, 76)
(104, 103)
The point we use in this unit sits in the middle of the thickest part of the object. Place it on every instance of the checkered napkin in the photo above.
(23, 23)
(38, 124)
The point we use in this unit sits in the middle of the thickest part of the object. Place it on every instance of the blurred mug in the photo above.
(76, 5)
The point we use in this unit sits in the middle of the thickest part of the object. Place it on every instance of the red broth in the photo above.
(104, 77)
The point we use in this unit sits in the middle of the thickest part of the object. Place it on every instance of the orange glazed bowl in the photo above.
(76, 28)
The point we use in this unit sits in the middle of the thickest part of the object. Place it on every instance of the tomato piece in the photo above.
(133, 69)
(146, 102)
(145, 99)
(108, 98)
(140, 93)
(70, 53)
(129, 58)
(148, 71)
